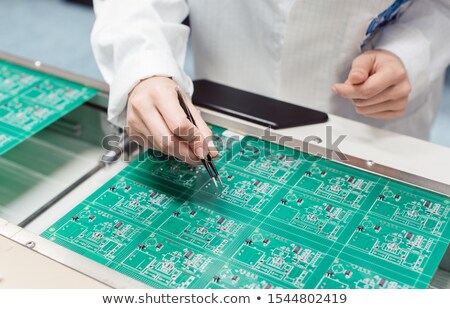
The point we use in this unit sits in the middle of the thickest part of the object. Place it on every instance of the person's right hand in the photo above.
(156, 120)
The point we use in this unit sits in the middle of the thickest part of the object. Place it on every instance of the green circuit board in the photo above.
(283, 219)
(31, 100)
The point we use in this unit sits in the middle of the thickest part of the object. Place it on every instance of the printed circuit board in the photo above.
(283, 219)
(32, 100)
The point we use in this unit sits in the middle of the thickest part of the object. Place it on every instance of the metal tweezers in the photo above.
(208, 163)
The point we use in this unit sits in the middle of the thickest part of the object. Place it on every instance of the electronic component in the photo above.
(189, 254)
(381, 282)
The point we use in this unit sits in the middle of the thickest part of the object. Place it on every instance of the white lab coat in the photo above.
(286, 49)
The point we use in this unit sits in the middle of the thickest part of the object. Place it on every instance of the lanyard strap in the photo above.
(386, 17)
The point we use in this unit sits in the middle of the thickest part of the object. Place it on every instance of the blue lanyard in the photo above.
(384, 18)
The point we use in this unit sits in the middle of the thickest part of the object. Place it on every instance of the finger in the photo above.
(178, 123)
(394, 105)
(138, 131)
(348, 91)
(378, 82)
(392, 93)
(361, 68)
(149, 122)
(387, 115)
(140, 139)
(163, 139)
(204, 129)
(181, 150)
(374, 85)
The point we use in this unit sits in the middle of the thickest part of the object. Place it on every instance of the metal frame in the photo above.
(113, 278)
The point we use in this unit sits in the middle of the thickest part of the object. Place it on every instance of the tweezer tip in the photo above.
(220, 180)
(215, 182)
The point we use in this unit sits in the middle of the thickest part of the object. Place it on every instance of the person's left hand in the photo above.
(377, 84)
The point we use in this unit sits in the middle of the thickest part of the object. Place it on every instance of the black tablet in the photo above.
(253, 107)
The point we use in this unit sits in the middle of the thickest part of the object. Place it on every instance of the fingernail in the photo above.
(334, 89)
(358, 74)
(200, 152)
(212, 149)
(211, 146)
(214, 153)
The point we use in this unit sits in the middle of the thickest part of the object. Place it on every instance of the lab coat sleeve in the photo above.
(421, 39)
(136, 39)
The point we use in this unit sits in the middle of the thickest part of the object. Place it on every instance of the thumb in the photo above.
(361, 69)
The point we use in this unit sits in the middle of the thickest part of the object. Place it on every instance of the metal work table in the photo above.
(49, 265)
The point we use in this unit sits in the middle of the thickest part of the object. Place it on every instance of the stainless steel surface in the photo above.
(63, 193)
(42, 168)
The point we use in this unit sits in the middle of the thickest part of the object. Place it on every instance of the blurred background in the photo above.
(56, 32)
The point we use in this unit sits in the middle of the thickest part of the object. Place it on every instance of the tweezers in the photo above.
(208, 163)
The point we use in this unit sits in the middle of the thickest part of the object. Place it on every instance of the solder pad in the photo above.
(283, 219)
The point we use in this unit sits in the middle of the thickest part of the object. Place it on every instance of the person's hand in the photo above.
(156, 120)
(377, 84)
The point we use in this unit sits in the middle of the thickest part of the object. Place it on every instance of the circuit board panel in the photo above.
(283, 219)
(31, 100)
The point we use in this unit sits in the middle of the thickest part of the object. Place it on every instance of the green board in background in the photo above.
(283, 220)
(31, 100)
